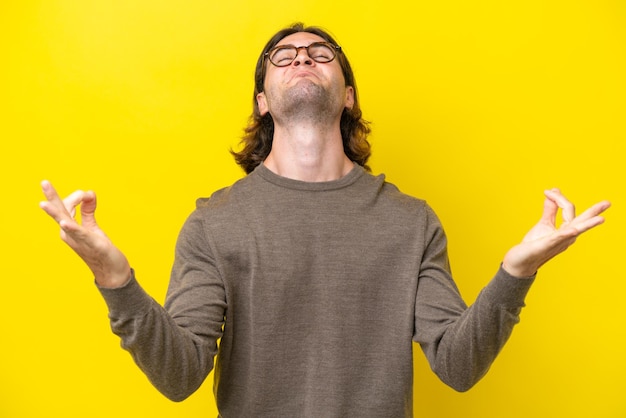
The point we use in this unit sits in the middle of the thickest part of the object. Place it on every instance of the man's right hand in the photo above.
(109, 266)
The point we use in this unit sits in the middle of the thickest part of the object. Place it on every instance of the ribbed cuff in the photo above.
(128, 300)
(508, 290)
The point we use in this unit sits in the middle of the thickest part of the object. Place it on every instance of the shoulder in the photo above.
(398, 213)
(391, 194)
(241, 189)
(397, 203)
(221, 210)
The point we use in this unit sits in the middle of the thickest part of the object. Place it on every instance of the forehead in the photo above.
(300, 39)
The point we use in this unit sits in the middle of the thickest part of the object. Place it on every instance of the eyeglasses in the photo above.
(284, 55)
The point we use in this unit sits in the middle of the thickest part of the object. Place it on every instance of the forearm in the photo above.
(174, 359)
(471, 342)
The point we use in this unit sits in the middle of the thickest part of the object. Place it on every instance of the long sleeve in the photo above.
(462, 342)
(174, 346)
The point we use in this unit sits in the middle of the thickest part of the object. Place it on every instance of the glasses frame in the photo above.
(334, 48)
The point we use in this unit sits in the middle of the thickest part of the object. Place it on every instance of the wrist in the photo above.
(113, 280)
(519, 272)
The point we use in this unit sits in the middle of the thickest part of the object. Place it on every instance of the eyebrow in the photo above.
(313, 42)
(292, 45)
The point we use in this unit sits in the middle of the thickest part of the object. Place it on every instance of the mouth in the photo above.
(303, 74)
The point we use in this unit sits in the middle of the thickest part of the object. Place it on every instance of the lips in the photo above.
(301, 74)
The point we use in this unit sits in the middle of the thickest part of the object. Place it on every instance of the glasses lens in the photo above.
(321, 52)
(283, 55)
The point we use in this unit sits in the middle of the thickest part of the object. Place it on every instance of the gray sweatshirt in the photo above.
(315, 293)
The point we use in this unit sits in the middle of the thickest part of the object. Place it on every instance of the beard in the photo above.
(306, 101)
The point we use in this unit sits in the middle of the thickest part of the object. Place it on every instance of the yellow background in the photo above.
(477, 107)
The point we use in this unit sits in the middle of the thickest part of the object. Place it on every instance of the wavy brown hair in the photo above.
(257, 141)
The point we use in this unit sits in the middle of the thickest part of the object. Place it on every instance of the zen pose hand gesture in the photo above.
(544, 240)
(109, 266)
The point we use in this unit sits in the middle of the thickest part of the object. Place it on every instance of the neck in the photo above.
(308, 152)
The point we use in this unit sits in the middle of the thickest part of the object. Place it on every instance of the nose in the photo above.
(302, 58)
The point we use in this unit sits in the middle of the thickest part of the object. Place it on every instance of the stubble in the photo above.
(305, 101)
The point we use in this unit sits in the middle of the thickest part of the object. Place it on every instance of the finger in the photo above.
(596, 209)
(88, 210)
(51, 194)
(53, 205)
(550, 209)
(591, 217)
(73, 200)
(568, 209)
(599, 207)
(577, 228)
(60, 210)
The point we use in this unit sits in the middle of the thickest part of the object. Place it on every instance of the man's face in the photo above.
(304, 85)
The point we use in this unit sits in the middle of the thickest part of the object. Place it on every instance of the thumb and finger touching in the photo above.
(545, 241)
(108, 264)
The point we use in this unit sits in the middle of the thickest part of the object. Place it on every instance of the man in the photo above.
(315, 275)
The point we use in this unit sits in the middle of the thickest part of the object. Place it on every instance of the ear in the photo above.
(261, 102)
(349, 97)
